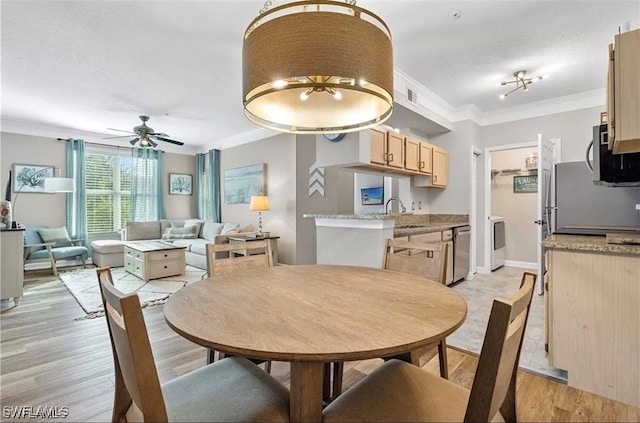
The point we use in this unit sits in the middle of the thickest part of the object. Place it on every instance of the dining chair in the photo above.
(431, 261)
(400, 392)
(233, 389)
(241, 256)
(246, 255)
(419, 258)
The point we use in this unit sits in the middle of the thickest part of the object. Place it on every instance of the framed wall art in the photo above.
(30, 178)
(180, 184)
(525, 183)
(243, 182)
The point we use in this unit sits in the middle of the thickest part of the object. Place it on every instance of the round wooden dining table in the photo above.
(310, 315)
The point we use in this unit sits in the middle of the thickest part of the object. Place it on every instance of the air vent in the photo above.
(412, 96)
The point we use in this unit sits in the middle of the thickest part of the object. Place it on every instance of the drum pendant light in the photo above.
(317, 67)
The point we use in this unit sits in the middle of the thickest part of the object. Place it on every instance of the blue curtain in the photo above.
(214, 185)
(200, 195)
(147, 202)
(77, 200)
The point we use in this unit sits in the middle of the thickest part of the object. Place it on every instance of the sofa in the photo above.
(193, 234)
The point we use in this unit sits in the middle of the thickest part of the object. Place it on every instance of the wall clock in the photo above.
(334, 137)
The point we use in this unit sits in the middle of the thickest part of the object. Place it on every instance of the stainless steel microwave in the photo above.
(613, 169)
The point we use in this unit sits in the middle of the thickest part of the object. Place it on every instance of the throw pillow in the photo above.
(230, 228)
(59, 236)
(210, 229)
(187, 232)
(197, 223)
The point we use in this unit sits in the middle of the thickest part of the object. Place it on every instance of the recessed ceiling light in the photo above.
(456, 15)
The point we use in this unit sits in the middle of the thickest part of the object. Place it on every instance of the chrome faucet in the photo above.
(386, 207)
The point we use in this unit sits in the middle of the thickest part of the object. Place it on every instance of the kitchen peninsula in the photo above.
(359, 240)
(593, 324)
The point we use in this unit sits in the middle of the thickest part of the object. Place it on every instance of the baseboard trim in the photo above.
(521, 264)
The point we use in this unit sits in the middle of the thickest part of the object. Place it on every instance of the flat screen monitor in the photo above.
(372, 196)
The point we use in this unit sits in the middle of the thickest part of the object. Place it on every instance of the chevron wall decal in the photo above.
(316, 180)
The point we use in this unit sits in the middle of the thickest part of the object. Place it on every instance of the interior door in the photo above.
(546, 168)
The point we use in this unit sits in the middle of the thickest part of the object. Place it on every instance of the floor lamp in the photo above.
(51, 185)
(259, 203)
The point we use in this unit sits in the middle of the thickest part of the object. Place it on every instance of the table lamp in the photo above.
(259, 203)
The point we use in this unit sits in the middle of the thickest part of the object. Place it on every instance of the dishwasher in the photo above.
(461, 247)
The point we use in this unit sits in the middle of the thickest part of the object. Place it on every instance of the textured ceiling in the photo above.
(85, 66)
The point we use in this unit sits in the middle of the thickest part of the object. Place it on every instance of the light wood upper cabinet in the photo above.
(440, 167)
(395, 150)
(426, 162)
(623, 93)
(387, 148)
(412, 154)
(378, 146)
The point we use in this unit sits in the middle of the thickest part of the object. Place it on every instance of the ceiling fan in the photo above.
(145, 135)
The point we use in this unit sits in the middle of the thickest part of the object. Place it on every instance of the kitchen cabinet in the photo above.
(11, 274)
(623, 91)
(592, 303)
(439, 170)
(426, 161)
(417, 156)
(387, 148)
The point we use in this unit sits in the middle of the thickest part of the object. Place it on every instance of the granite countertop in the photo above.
(426, 228)
(352, 216)
(588, 243)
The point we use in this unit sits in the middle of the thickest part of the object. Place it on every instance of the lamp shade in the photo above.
(259, 203)
(317, 67)
(58, 185)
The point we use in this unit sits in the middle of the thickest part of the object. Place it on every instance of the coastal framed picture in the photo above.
(30, 177)
(180, 184)
(243, 182)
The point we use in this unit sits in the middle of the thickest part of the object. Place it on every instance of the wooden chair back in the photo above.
(256, 255)
(137, 388)
(493, 387)
(419, 258)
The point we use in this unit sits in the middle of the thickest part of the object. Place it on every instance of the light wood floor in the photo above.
(50, 359)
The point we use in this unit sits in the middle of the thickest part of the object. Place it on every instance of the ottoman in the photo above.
(108, 253)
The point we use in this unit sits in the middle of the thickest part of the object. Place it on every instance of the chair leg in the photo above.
(53, 261)
(267, 366)
(211, 356)
(442, 358)
(338, 370)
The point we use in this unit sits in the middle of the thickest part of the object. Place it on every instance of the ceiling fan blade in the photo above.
(134, 141)
(160, 134)
(121, 130)
(168, 140)
(153, 144)
(119, 136)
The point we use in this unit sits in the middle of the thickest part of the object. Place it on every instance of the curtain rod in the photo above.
(117, 147)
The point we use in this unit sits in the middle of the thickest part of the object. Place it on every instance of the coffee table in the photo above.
(153, 259)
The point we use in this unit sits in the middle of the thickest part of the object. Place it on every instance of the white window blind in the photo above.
(108, 182)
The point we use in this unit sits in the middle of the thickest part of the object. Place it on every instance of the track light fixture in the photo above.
(520, 81)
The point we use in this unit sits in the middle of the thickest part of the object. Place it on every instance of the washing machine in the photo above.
(498, 251)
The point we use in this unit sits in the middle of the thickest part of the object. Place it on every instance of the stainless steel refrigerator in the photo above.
(583, 208)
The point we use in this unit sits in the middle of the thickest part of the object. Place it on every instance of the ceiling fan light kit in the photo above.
(317, 67)
(520, 81)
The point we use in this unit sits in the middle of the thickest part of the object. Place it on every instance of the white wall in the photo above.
(50, 209)
(573, 128)
(518, 209)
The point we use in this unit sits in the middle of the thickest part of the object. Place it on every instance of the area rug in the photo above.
(83, 285)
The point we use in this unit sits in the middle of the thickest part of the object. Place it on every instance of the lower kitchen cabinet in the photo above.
(593, 324)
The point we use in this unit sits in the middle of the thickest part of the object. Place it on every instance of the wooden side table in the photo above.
(273, 240)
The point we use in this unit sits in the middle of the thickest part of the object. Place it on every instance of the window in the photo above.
(108, 181)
